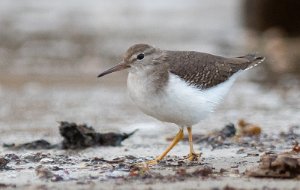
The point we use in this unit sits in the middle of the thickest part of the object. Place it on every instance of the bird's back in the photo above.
(205, 70)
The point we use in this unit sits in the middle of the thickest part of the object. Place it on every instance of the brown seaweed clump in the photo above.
(3, 163)
(248, 129)
(75, 136)
(82, 136)
(284, 165)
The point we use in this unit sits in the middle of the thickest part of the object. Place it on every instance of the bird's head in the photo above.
(137, 56)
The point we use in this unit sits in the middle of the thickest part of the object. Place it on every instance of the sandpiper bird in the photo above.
(181, 87)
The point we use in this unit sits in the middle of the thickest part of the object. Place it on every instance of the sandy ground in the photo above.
(104, 104)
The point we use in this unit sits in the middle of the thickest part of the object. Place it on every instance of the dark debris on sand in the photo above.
(3, 163)
(216, 138)
(45, 173)
(178, 174)
(82, 136)
(34, 145)
(4, 185)
(75, 137)
(61, 167)
(248, 135)
(283, 165)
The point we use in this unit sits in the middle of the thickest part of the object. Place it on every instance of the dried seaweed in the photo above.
(75, 137)
(284, 165)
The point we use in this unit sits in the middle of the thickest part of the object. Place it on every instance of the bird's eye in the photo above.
(140, 56)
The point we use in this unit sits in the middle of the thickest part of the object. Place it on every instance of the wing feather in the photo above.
(205, 70)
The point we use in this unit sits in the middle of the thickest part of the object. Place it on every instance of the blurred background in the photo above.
(52, 51)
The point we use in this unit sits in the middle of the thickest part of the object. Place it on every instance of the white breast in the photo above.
(179, 102)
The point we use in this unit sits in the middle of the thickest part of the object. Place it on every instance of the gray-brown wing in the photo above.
(205, 70)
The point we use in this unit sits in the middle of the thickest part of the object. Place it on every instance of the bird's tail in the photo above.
(253, 60)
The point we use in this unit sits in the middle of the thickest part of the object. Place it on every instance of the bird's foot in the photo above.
(152, 162)
(147, 163)
(194, 156)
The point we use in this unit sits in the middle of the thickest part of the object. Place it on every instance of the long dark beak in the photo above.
(119, 67)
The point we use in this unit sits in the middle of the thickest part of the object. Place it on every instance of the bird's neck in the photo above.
(154, 77)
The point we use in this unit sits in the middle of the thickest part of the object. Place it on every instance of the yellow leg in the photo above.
(176, 139)
(193, 156)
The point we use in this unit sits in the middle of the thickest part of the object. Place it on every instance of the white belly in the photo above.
(178, 103)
